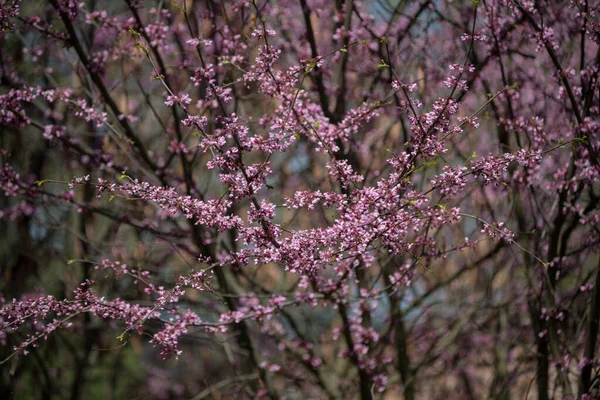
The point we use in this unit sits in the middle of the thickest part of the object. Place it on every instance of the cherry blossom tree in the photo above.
(300, 199)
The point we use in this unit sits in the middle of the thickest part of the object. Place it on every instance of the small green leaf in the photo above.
(40, 183)
(174, 4)
(142, 47)
(310, 65)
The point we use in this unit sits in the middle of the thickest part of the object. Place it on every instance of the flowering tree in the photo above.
(300, 199)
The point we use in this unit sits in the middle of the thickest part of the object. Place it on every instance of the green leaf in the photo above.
(174, 4)
(142, 47)
(40, 183)
(310, 65)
